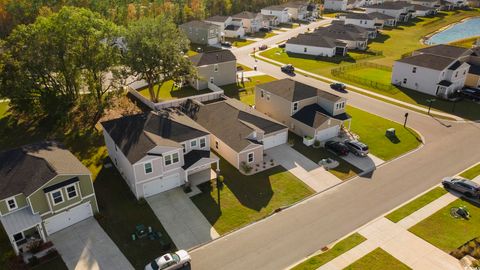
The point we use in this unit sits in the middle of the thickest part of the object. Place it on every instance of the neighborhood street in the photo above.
(293, 234)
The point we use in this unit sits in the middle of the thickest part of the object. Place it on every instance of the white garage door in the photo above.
(275, 140)
(160, 185)
(68, 218)
(328, 133)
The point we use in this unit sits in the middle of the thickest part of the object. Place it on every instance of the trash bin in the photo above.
(390, 132)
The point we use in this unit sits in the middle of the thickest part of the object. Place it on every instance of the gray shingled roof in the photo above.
(199, 24)
(245, 15)
(274, 8)
(27, 168)
(316, 40)
(380, 16)
(337, 31)
(290, 90)
(310, 116)
(428, 61)
(390, 5)
(445, 50)
(357, 16)
(212, 57)
(217, 18)
(135, 135)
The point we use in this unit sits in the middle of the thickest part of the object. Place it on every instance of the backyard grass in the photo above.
(169, 91)
(378, 259)
(120, 212)
(245, 92)
(3, 109)
(343, 171)
(239, 42)
(416, 204)
(446, 232)
(245, 199)
(472, 172)
(371, 129)
(373, 74)
(337, 250)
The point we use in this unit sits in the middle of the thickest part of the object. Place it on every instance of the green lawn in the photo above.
(120, 212)
(337, 250)
(344, 171)
(246, 92)
(239, 42)
(446, 232)
(263, 35)
(467, 43)
(472, 172)
(245, 199)
(371, 129)
(3, 109)
(55, 264)
(378, 259)
(416, 204)
(373, 74)
(169, 91)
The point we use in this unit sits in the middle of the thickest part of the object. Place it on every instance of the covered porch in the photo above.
(198, 165)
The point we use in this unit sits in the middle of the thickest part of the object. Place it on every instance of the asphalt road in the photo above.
(293, 234)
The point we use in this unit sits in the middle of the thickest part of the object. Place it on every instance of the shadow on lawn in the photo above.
(381, 38)
(334, 60)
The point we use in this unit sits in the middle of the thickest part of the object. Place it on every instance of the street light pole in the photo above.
(430, 101)
(406, 117)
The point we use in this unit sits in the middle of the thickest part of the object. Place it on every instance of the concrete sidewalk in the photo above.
(303, 168)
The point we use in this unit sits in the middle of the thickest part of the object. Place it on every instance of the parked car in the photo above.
(337, 147)
(470, 93)
(263, 47)
(170, 261)
(282, 45)
(338, 86)
(288, 68)
(464, 186)
(357, 148)
(265, 29)
(226, 44)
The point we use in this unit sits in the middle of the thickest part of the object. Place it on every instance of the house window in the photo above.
(12, 204)
(215, 67)
(464, 72)
(414, 70)
(184, 148)
(71, 191)
(295, 106)
(193, 143)
(171, 159)
(148, 168)
(262, 94)
(456, 74)
(203, 143)
(216, 144)
(175, 157)
(405, 80)
(57, 197)
(250, 158)
(18, 237)
(305, 49)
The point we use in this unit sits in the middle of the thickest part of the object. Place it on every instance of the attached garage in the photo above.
(161, 185)
(68, 218)
(328, 133)
(275, 140)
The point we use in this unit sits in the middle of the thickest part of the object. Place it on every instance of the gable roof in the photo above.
(289, 89)
(27, 168)
(136, 135)
(445, 50)
(380, 16)
(313, 116)
(217, 18)
(428, 61)
(316, 40)
(277, 8)
(199, 24)
(389, 5)
(245, 15)
(212, 57)
(341, 32)
(357, 16)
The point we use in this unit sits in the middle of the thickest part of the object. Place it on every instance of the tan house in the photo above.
(43, 189)
(216, 67)
(306, 110)
(239, 133)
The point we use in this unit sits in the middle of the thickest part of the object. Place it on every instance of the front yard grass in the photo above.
(337, 250)
(378, 259)
(245, 199)
(472, 172)
(55, 264)
(263, 35)
(245, 92)
(446, 232)
(3, 109)
(239, 42)
(343, 171)
(416, 204)
(169, 91)
(371, 129)
(120, 212)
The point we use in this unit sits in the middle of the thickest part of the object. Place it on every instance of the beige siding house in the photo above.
(215, 67)
(43, 189)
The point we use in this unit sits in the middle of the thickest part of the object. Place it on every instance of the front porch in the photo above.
(197, 167)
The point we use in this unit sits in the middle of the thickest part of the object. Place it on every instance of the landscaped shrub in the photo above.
(35, 246)
(245, 167)
(33, 261)
(142, 201)
(316, 143)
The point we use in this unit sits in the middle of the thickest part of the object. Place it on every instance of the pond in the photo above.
(466, 29)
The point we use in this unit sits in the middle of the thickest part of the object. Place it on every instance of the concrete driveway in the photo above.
(85, 245)
(185, 224)
(303, 168)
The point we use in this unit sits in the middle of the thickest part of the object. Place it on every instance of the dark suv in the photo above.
(288, 68)
(464, 186)
(357, 148)
(337, 147)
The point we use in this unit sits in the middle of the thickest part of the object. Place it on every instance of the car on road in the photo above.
(337, 147)
(357, 148)
(226, 44)
(288, 68)
(263, 47)
(470, 93)
(170, 261)
(338, 86)
(464, 186)
(282, 45)
(265, 29)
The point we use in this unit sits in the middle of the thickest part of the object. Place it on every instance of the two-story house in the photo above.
(348, 35)
(251, 21)
(239, 133)
(228, 27)
(306, 110)
(216, 67)
(361, 19)
(297, 10)
(158, 151)
(43, 189)
(337, 5)
(201, 32)
(281, 12)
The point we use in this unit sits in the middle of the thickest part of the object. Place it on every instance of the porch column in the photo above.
(41, 232)
(14, 245)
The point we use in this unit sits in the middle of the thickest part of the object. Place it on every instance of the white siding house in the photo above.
(281, 12)
(336, 5)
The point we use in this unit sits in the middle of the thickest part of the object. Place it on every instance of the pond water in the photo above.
(466, 29)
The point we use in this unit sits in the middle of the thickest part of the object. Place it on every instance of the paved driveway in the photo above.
(85, 245)
(302, 167)
(184, 223)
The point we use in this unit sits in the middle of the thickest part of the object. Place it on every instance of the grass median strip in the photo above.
(378, 259)
(472, 172)
(337, 250)
(416, 204)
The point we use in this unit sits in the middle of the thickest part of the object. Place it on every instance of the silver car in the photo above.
(464, 186)
(357, 148)
(170, 261)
